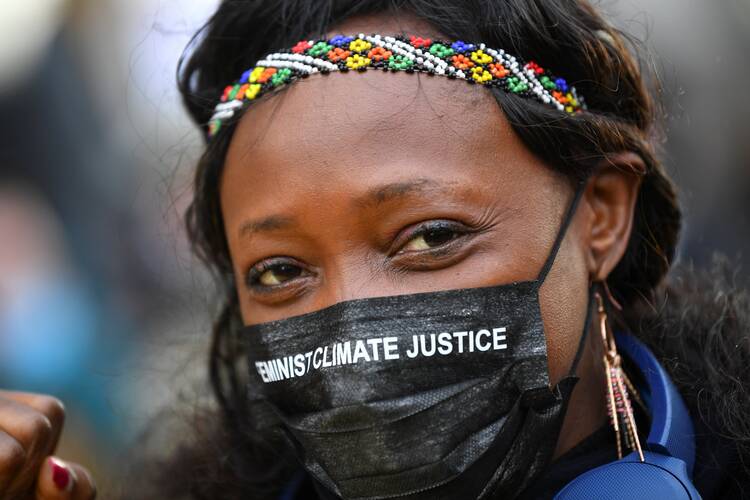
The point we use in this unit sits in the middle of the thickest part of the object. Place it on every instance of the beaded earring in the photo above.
(474, 63)
(620, 390)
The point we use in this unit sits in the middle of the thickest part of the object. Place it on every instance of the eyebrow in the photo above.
(265, 224)
(372, 197)
(387, 192)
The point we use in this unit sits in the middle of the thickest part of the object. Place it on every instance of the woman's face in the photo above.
(368, 184)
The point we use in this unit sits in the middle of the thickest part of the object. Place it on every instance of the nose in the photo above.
(354, 277)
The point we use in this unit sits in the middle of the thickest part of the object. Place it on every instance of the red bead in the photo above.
(301, 47)
(534, 67)
(225, 95)
(418, 42)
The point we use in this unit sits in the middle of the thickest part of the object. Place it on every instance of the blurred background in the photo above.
(101, 302)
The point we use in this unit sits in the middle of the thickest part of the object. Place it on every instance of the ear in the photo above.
(611, 194)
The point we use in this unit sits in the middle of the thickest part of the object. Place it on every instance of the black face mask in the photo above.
(438, 395)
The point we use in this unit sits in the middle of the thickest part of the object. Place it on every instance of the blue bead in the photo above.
(340, 40)
(245, 76)
(460, 46)
(562, 84)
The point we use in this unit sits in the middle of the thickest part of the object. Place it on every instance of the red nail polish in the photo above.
(60, 475)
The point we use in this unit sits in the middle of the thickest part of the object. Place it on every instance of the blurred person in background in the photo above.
(43, 248)
(82, 249)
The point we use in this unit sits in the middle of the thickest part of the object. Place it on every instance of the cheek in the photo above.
(564, 299)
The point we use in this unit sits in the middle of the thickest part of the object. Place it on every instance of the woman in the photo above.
(423, 278)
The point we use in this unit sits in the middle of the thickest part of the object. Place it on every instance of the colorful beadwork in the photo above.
(474, 63)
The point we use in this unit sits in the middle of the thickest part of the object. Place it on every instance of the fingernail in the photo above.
(61, 475)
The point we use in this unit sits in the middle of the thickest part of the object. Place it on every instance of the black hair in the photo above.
(236, 460)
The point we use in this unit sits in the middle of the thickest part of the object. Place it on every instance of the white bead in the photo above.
(222, 115)
(422, 58)
(223, 106)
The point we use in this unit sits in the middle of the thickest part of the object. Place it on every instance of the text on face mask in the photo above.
(379, 349)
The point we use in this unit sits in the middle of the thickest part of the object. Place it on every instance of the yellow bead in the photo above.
(480, 74)
(252, 90)
(357, 61)
(479, 57)
(256, 74)
(359, 45)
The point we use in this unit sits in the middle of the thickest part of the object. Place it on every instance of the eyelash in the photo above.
(253, 274)
(423, 229)
(460, 230)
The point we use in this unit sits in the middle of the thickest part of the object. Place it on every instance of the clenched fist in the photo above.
(30, 426)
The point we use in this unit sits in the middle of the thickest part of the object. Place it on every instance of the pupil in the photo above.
(285, 272)
(435, 237)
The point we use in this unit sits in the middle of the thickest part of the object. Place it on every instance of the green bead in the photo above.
(516, 86)
(319, 49)
(233, 92)
(440, 50)
(281, 76)
(547, 83)
(400, 62)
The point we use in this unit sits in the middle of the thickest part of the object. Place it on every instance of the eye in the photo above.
(432, 235)
(273, 272)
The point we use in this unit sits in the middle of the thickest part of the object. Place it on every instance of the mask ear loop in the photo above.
(571, 378)
(551, 259)
(584, 335)
(589, 314)
(561, 233)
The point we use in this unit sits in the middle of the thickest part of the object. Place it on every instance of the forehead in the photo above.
(353, 111)
(363, 125)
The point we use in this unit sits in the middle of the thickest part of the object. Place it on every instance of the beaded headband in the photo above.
(474, 63)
